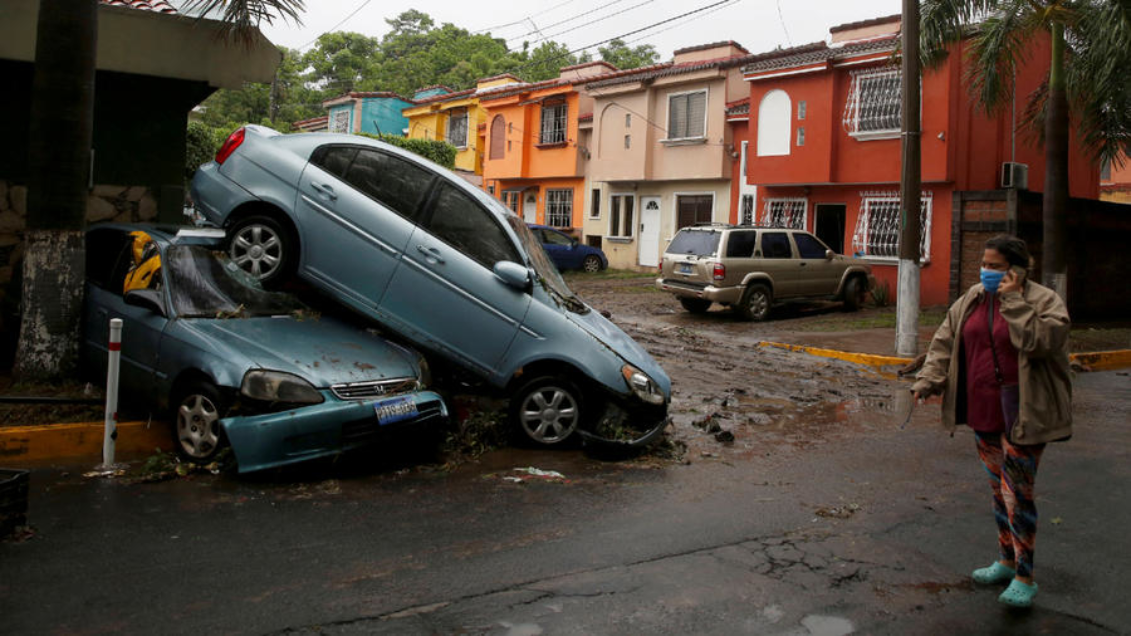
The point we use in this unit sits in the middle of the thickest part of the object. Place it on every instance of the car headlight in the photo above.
(642, 385)
(425, 379)
(276, 386)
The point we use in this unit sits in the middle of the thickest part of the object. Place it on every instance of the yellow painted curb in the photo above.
(1104, 360)
(60, 441)
(867, 359)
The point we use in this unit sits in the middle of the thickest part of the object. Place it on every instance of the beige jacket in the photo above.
(1038, 328)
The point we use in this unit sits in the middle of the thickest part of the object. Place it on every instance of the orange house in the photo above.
(536, 146)
(824, 147)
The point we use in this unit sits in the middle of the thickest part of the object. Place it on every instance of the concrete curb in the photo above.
(1094, 361)
(19, 444)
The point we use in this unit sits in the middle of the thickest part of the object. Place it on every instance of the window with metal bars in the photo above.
(554, 123)
(559, 208)
(687, 115)
(873, 106)
(789, 213)
(340, 121)
(746, 210)
(878, 226)
(457, 128)
(621, 208)
(692, 209)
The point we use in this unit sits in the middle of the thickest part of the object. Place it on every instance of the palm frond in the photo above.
(1097, 82)
(997, 49)
(243, 17)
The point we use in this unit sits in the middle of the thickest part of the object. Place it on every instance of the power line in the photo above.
(679, 24)
(355, 12)
(567, 20)
(781, 19)
(533, 15)
(591, 22)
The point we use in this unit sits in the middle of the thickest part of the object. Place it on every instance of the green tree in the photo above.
(62, 120)
(623, 56)
(342, 62)
(1091, 52)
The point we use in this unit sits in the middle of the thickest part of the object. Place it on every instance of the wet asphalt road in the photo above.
(822, 517)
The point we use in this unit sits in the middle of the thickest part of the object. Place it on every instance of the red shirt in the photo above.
(983, 387)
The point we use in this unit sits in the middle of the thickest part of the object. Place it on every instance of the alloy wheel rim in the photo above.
(257, 250)
(549, 415)
(197, 420)
(758, 304)
(591, 265)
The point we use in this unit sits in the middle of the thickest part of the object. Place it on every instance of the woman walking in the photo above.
(1000, 359)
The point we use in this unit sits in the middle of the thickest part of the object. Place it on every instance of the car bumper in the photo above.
(214, 195)
(301, 434)
(627, 424)
(682, 289)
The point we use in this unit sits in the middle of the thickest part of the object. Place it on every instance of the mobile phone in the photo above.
(1019, 272)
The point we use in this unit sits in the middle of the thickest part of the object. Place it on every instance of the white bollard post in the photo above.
(115, 356)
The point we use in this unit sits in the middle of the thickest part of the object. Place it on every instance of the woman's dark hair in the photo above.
(1012, 248)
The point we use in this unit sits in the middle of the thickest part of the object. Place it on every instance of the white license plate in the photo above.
(684, 268)
(395, 409)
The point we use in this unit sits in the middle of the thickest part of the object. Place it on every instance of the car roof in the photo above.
(718, 227)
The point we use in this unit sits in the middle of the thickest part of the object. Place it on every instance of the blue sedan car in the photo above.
(235, 364)
(567, 252)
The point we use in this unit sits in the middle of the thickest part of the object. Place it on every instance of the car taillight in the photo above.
(230, 144)
(720, 271)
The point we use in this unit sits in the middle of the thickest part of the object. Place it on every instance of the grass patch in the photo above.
(1083, 339)
(883, 318)
(607, 274)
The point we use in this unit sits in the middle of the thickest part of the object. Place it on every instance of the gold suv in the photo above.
(750, 268)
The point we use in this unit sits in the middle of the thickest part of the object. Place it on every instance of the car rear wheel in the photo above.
(854, 292)
(547, 410)
(260, 246)
(695, 305)
(591, 264)
(755, 303)
(197, 434)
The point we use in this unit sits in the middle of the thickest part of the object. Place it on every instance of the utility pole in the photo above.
(907, 302)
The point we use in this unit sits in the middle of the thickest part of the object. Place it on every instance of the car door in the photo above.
(561, 249)
(445, 294)
(820, 276)
(357, 209)
(776, 251)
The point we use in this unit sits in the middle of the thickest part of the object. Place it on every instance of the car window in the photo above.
(741, 244)
(104, 252)
(334, 159)
(776, 245)
(394, 182)
(462, 223)
(808, 246)
(697, 242)
(207, 284)
(555, 238)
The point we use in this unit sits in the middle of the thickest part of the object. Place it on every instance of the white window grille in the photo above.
(687, 115)
(510, 199)
(554, 123)
(340, 122)
(457, 129)
(746, 209)
(873, 106)
(559, 208)
(788, 213)
(878, 226)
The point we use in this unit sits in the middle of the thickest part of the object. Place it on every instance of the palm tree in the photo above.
(1091, 52)
(59, 163)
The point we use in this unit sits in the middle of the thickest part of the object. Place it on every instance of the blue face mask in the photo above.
(991, 278)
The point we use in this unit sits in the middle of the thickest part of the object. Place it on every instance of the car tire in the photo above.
(591, 264)
(854, 292)
(197, 411)
(695, 305)
(755, 303)
(547, 410)
(263, 248)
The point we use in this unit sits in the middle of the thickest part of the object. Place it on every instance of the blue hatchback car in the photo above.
(423, 253)
(233, 363)
(567, 252)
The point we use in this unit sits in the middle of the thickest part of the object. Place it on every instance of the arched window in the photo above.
(774, 124)
(498, 137)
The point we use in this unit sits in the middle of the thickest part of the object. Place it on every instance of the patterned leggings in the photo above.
(1012, 470)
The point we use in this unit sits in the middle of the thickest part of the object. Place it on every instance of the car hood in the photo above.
(323, 351)
(621, 344)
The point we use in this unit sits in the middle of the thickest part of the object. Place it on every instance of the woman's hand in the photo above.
(1010, 283)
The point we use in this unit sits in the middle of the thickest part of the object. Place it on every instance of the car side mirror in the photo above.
(150, 299)
(829, 254)
(513, 275)
(573, 243)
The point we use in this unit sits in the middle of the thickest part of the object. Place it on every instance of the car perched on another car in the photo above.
(235, 364)
(750, 268)
(424, 254)
(567, 252)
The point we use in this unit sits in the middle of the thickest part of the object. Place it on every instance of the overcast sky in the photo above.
(756, 24)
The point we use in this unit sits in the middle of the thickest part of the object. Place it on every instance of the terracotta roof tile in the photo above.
(158, 6)
(817, 52)
(740, 107)
(666, 69)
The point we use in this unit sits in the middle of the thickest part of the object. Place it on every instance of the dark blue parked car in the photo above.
(567, 252)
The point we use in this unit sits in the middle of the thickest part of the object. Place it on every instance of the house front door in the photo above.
(649, 245)
(530, 206)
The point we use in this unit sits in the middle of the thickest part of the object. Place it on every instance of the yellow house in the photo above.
(455, 118)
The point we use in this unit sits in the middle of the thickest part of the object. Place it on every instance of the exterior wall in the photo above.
(1117, 187)
(740, 132)
(623, 252)
(611, 161)
(700, 160)
(382, 115)
(426, 123)
(539, 187)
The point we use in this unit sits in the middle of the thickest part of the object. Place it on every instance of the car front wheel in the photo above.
(591, 264)
(755, 303)
(547, 410)
(197, 435)
(261, 247)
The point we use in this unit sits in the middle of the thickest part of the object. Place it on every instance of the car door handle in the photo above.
(325, 190)
(804, 264)
(430, 253)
